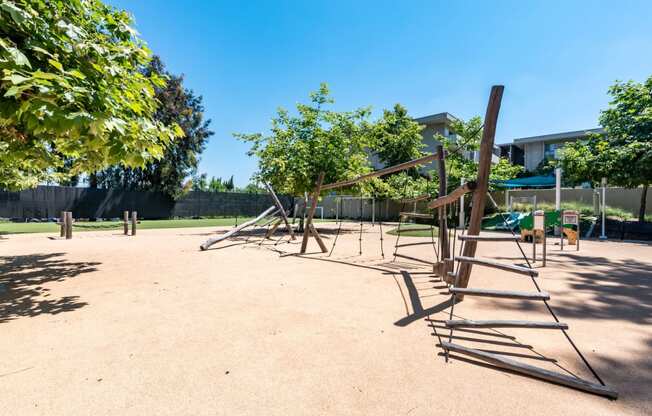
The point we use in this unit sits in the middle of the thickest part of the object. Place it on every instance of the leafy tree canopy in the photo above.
(624, 154)
(73, 90)
(177, 106)
(316, 139)
(459, 163)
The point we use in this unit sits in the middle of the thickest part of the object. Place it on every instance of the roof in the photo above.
(529, 182)
(556, 136)
(438, 118)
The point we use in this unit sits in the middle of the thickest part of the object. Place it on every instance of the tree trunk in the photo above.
(641, 210)
(92, 180)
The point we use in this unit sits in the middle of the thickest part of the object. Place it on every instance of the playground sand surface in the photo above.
(105, 324)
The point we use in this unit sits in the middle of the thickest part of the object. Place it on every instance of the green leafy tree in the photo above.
(314, 140)
(200, 183)
(177, 105)
(459, 163)
(396, 138)
(624, 154)
(73, 89)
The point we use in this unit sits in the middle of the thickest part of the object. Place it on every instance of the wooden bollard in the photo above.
(62, 222)
(68, 225)
(126, 222)
(134, 220)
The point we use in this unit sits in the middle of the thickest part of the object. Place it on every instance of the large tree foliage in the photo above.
(73, 91)
(459, 150)
(396, 137)
(177, 105)
(624, 154)
(316, 139)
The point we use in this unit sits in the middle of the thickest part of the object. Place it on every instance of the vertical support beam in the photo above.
(603, 236)
(62, 222)
(125, 222)
(443, 226)
(484, 168)
(307, 229)
(461, 225)
(68, 225)
(134, 221)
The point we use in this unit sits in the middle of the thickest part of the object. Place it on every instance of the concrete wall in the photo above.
(533, 155)
(627, 199)
(49, 201)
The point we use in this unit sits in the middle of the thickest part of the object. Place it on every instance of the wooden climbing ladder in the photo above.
(459, 279)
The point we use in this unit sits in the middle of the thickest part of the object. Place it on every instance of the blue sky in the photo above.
(555, 58)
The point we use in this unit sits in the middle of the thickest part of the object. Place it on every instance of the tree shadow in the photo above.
(22, 279)
(620, 290)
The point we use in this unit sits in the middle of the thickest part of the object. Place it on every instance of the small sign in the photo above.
(571, 218)
(539, 220)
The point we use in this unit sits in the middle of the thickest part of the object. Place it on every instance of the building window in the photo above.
(551, 150)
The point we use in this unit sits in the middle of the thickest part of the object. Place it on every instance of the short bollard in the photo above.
(68, 225)
(126, 222)
(134, 221)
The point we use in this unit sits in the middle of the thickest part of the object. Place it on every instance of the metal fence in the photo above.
(623, 198)
(48, 202)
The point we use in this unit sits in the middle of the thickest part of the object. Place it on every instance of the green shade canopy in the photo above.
(530, 182)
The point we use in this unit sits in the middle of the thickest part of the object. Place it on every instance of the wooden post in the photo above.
(307, 230)
(62, 222)
(68, 225)
(134, 221)
(482, 185)
(125, 222)
(443, 226)
(281, 210)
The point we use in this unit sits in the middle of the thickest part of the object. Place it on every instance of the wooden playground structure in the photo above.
(454, 269)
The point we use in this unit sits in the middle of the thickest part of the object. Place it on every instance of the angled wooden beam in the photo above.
(482, 186)
(453, 196)
(381, 172)
(281, 209)
(237, 229)
(532, 371)
(307, 229)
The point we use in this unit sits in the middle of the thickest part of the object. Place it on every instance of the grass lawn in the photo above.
(418, 232)
(7, 227)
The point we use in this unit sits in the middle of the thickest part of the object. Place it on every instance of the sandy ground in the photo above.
(149, 325)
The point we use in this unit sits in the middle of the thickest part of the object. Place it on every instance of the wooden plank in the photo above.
(311, 213)
(414, 259)
(468, 323)
(414, 244)
(512, 238)
(315, 234)
(405, 230)
(533, 371)
(416, 215)
(496, 265)
(273, 228)
(381, 172)
(281, 209)
(415, 199)
(453, 196)
(482, 185)
(237, 229)
(504, 294)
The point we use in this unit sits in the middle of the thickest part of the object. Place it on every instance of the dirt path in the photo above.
(110, 325)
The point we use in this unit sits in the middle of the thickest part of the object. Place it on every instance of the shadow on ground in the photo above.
(21, 284)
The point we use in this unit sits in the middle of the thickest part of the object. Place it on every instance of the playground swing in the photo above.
(339, 219)
(404, 215)
(310, 230)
